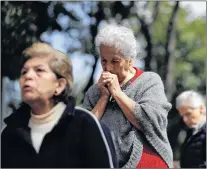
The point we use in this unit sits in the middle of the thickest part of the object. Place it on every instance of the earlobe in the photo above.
(130, 62)
(202, 109)
(61, 86)
(56, 93)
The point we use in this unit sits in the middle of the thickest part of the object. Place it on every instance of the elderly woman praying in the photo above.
(131, 102)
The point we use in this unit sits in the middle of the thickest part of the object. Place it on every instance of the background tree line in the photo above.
(170, 43)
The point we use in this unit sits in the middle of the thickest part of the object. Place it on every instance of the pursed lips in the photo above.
(27, 87)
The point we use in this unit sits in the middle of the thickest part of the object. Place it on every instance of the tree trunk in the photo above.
(169, 57)
(99, 15)
(146, 29)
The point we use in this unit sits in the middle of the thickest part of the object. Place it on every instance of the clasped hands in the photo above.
(109, 84)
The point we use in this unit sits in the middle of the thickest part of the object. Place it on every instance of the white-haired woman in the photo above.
(191, 106)
(131, 102)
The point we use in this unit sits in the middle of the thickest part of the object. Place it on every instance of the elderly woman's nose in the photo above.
(109, 67)
(29, 74)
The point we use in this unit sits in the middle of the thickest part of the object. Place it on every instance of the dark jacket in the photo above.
(76, 141)
(193, 150)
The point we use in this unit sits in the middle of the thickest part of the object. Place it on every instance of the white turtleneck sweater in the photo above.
(42, 124)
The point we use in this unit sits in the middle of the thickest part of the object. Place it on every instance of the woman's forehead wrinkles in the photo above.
(28, 65)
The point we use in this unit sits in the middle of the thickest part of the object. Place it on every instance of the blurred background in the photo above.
(171, 38)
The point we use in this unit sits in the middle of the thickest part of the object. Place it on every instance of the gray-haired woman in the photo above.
(132, 103)
(47, 131)
(192, 109)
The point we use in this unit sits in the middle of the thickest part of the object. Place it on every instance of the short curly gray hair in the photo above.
(119, 37)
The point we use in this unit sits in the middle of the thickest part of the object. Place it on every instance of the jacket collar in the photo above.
(21, 116)
(199, 127)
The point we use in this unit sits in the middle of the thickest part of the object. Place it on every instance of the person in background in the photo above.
(192, 109)
(131, 102)
(47, 130)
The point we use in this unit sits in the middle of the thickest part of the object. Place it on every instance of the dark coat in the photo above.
(76, 141)
(193, 150)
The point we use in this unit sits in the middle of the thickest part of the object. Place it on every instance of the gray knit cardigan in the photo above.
(151, 111)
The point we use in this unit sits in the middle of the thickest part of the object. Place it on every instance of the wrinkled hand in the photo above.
(102, 84)
(112, 83)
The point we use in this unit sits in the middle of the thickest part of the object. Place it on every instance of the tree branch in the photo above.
(99, 15)
(146, 30)
(156, 11)
(169, 58)
(169, 46)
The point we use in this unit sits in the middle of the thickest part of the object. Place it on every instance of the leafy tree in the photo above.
(22, 24)
(170, 43)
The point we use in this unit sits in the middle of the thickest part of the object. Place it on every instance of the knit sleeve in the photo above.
(86, 102)
(151, 108)
(91, 97)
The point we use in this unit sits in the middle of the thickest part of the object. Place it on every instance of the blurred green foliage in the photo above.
(173, 43)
